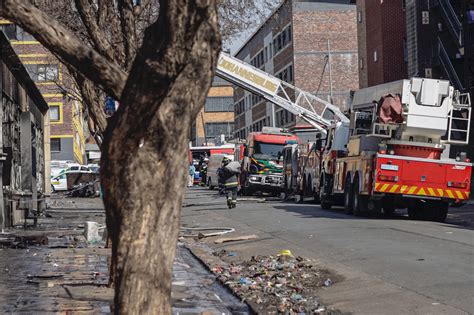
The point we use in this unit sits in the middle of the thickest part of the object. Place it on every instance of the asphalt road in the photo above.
(389, 266)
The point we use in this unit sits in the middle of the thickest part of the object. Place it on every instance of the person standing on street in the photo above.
(191, 172)
(228, 175)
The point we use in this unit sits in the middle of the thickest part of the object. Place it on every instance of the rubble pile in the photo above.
(276, 284)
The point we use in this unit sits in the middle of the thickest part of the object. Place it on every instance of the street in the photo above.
(389, 266)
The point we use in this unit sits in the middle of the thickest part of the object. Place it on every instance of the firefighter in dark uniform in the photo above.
(228, 175)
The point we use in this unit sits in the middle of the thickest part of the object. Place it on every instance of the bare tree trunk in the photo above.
(144, 151)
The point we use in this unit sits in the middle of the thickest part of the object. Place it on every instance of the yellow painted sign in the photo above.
(247, 74)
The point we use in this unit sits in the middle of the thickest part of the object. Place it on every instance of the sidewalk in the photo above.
(51, 268)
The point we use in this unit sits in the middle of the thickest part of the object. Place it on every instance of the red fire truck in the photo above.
(398, 151)
(393, 152)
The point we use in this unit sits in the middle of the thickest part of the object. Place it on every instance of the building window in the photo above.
(216, 129)
(259, 59)
(359, 16)
(43, 73)
(219, 104)
(361, 63)
(286, 74)
(375, 56)
(55, 145)
(54, 113)
(282, 39)
(47, 73)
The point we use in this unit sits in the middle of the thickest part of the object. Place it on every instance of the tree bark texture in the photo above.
(144, 161)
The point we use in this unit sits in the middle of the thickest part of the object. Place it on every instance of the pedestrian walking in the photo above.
(228, 175)
(191, 172)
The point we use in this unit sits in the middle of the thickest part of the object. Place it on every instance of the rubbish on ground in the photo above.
(91, 231)
(237, 238)
(328, 282)
(219, 231)
(55, 265)
(281, 283)
(231, 254)
(286, 252)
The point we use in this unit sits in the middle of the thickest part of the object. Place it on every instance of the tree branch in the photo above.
(127, 22)
(62, 42)
(90, 22)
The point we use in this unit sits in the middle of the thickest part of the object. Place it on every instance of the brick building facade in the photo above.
(381, 33)
(216, 118)
(293, 44)
(67, 128)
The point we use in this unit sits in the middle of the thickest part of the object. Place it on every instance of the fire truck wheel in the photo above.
(360, 202)
(348, 197)
(421, 210)
(323, 197)
(415, 213)
(439, 211)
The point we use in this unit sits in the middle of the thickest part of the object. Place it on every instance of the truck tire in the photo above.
(360, 202)
(415, 213)
(440, 211)
(429, 210)
(348, 196)
(323, 193)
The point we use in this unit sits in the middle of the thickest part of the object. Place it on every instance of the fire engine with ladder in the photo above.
(393, 152)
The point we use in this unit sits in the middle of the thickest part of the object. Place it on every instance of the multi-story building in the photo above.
(310, 44)
(216, 120)
(440, 41)
(381, 33)
(67, 136)
(23, 145)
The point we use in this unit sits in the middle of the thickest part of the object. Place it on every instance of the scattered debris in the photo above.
(282, 283)
(91, 231)
(237, 238)
(218, 231)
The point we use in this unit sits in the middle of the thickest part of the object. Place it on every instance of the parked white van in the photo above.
(215, 162)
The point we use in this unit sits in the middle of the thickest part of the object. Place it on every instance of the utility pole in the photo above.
(330, 72)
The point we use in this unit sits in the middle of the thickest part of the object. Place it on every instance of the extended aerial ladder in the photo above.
(322, 114)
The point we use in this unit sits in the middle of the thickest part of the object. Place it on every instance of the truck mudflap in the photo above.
(446, 179)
